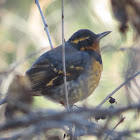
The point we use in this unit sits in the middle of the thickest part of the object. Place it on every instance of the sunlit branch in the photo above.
(45, 24)
(120, 86)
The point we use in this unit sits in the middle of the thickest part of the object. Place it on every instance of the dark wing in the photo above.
(47, 71)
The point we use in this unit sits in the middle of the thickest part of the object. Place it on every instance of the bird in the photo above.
(83, 69)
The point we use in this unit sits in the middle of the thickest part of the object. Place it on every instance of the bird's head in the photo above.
(85, 39)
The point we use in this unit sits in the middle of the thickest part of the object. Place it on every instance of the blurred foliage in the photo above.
(22, 32)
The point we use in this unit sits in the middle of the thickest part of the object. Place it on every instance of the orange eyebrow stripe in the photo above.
(79, 39)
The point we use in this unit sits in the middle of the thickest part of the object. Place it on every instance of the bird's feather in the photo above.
(47, 71)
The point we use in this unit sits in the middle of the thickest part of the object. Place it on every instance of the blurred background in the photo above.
(22, 34)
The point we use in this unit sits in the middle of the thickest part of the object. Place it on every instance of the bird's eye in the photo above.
(88, 39)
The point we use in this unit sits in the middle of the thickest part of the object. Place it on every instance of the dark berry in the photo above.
(103, 116)
(112, 100)
(97, 117)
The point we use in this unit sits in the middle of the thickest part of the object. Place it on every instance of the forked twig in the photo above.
(63, 58)
(45, 24)
(120, 86)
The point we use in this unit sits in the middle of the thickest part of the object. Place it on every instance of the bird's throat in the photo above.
(95, 47)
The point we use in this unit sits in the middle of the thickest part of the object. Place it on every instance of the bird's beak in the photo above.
(100, 36)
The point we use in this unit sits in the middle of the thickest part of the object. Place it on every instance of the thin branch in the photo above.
(63, 58)
(120, 121)
(120, 86)
(45, 24)
(73, 116)
(3, 101)
(36, 129)
(53, 119)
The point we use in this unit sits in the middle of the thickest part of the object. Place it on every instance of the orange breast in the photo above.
(82, 87)
(95, 74)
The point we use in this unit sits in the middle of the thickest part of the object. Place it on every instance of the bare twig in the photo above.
(36, 129)
(45, 24)
(74, 116)
(120, 86)
(121, 121)
(63, 58)
(52, 119)
(3, 101)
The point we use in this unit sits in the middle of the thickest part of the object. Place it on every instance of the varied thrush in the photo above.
(83, 68)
